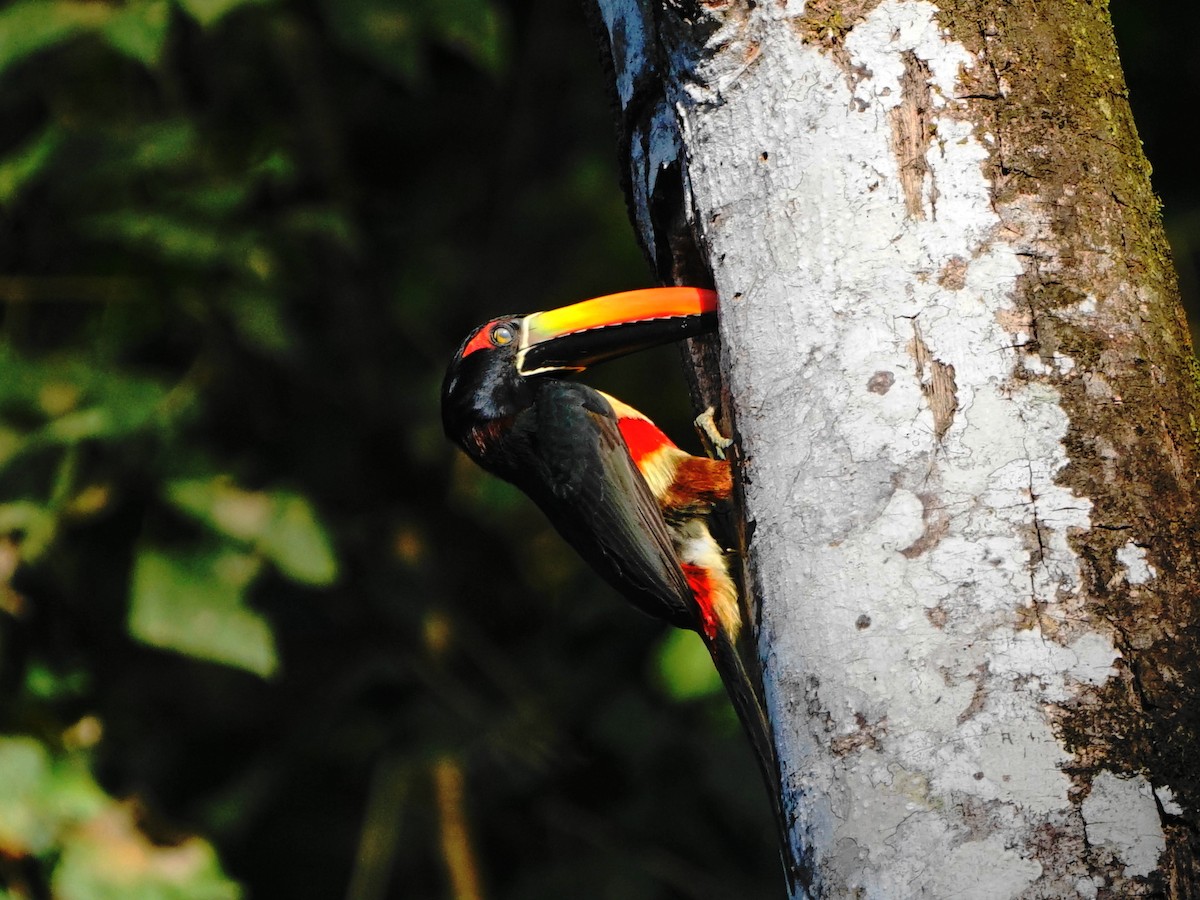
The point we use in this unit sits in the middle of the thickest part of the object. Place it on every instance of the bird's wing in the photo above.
(600, 503)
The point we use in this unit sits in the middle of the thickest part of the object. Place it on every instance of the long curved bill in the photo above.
(583, 334)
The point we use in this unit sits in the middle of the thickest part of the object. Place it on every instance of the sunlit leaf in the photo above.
(35, 524)
(40, 795)
(685, 667)
(296, 542)
(223, 506)
(78, 400)
(194, 603)
(139, 30)
(58, 397)
(27, 162)
(25, 764)
(29, 26)
(208, 12)
(109, 858)
(89, 501)
(126, 414)
(52, 807)
(80, 425)
(281, 525)
(10, 444)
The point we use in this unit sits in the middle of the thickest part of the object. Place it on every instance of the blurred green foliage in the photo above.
(251, 601)
(262, 632)
(52, 808)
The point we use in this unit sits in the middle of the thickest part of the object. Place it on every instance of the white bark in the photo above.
(924, 615)
(899, 541)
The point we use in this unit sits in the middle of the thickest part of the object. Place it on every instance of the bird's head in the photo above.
(491, 375)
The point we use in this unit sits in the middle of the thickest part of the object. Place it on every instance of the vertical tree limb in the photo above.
(966, 404)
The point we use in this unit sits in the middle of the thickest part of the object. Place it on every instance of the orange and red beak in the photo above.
(580, 335)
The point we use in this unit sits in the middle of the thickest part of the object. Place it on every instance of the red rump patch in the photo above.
(701, 584)
(642, 437)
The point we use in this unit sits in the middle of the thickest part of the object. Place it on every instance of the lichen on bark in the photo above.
(1103, 294)
(1093, 654)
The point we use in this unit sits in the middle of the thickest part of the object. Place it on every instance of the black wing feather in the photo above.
(589, 487)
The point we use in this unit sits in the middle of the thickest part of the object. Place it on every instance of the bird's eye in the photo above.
(501, 335)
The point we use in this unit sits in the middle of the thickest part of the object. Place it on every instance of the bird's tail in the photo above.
(745, 692)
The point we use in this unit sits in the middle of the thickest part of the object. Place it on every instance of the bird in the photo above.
(633, 504)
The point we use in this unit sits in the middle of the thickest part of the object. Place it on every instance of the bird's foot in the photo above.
(710, 435)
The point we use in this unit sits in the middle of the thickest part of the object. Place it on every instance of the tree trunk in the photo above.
(952, 354)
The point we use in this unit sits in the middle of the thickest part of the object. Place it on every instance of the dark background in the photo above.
(247, 590)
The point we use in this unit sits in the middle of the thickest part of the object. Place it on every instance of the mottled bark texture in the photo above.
(953, 357)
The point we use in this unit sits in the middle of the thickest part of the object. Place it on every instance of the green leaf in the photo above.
(392, 35)
(259, 321)
(276, 167)
(324, 223)
(10, 444)
(25, 163)
(168, 145)
(40, 795)
(282, 526)
(44, 683)
(125, 409)
(384, 34)
(685, 667)
(170, 237)
(139, 30)
(193, 603)
(79, 426)
(56, 387)
(209, 12)
(30, 26)
(51, 806)
(223, 506)
(111, 859)
(25, 764)
(473, 27)
(214, 200)
(36, 524)
(296, 543)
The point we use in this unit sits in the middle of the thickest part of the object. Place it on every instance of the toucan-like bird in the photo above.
(632, 503)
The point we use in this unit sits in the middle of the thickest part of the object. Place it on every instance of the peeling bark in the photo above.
(912, 133)
(966, 406)
(935, 377)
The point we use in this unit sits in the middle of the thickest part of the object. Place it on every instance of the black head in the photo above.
(491, 377)
(482, 383)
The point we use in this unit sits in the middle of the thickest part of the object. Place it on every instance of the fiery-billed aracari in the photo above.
(632, 503)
